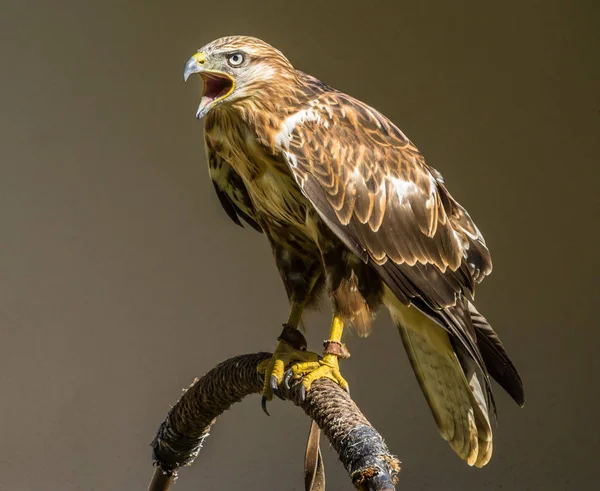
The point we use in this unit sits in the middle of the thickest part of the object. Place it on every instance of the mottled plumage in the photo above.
(348, 202)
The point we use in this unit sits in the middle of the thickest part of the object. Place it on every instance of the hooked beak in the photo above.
(216, 86)
(194, 65)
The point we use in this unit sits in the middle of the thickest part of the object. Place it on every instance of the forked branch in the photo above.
(179, 438)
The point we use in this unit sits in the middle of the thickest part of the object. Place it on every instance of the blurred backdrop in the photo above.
(122, 279)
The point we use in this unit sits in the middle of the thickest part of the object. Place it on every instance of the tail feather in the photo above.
(482, 420)
(452, 387)
(481, 406)
(496, 359)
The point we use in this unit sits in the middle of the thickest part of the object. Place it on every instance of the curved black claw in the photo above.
(302, 393)
(275, 387)
(263, 403)
(287, 376)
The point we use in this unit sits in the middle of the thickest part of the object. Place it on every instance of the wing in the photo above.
(372, 187)
(230, 189)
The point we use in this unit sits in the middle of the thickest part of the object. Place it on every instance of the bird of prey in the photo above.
(350, 208)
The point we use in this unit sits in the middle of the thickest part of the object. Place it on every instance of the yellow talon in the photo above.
(305, 365)
(274, 368)
(327, 367)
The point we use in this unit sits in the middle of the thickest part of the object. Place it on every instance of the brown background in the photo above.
(122, 279)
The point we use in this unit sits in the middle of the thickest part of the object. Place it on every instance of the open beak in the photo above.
(216, 86)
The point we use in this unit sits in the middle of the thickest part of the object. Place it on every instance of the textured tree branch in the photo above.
(179, 438)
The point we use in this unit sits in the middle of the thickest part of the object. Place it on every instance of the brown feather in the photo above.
(346, 199)
(352, 305)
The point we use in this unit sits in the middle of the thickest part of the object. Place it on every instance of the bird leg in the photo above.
(325, 367)
(291, 348)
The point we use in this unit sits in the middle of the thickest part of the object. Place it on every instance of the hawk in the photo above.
(350, 208)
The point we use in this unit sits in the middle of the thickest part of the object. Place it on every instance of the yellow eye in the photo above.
(236, 59)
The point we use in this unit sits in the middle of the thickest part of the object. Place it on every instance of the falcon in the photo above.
(351, 209)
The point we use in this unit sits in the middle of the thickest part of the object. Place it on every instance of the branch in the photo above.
(179, 438)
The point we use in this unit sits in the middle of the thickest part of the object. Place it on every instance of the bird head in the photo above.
(237, 68)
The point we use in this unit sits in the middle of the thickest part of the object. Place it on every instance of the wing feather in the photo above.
(230, 190)
(385, 196)
(373, 188)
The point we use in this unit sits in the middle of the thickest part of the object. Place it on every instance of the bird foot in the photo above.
(291, 349)
(325, 367)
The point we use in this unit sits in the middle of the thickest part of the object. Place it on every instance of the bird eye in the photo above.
(236, 59)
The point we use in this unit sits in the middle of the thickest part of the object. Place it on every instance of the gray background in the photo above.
(122, 279)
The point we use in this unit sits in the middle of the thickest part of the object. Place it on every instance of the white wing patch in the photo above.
(283, 137)
(402, 188)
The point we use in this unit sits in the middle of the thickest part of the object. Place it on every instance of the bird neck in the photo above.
(264, 112)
